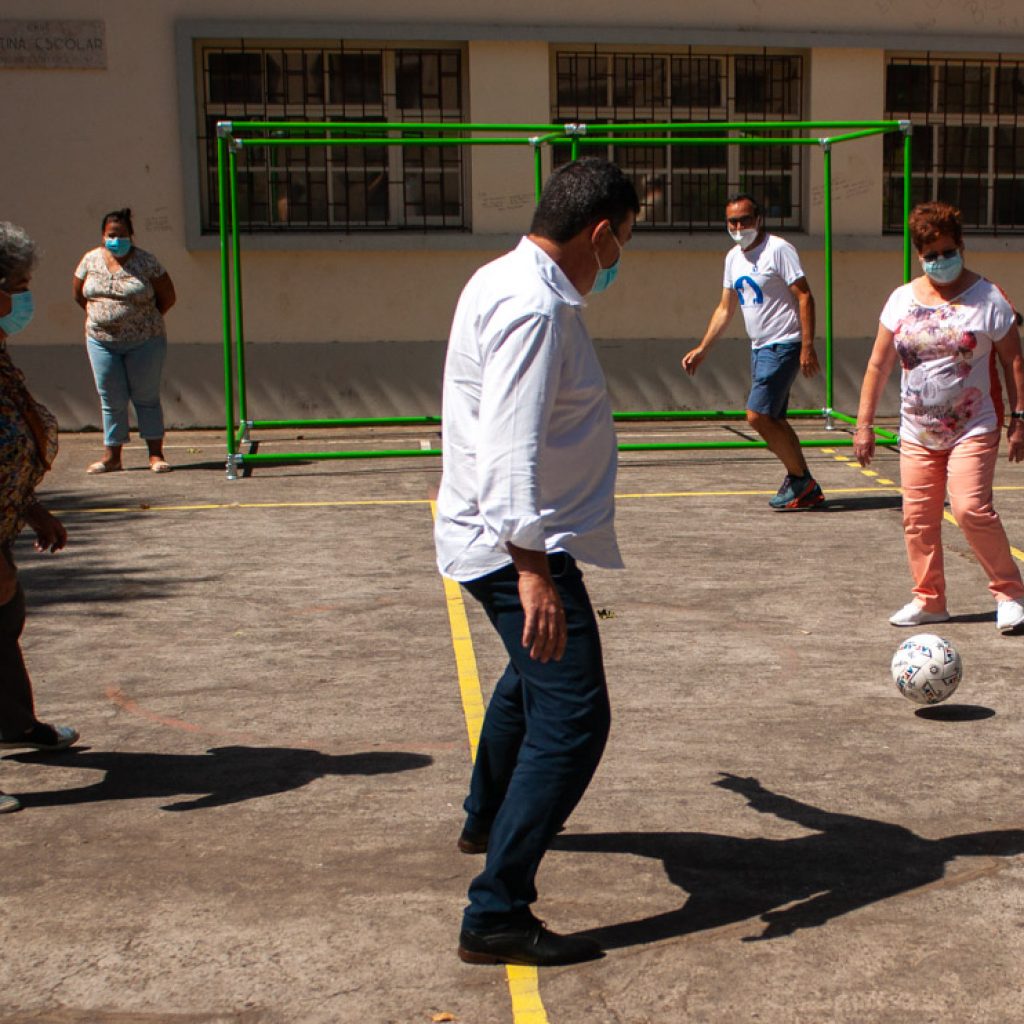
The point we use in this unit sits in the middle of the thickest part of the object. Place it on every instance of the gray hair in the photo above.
(17, 252)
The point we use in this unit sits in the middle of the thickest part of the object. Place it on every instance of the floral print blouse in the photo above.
(121, 305)
(28, 445)
(945, 391)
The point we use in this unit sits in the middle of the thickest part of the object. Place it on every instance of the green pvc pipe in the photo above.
(702, 414)
(750, 140)
(538, 173)
(236, 267)
(867, 133)
(828, 274)
(306, 142)
(388, 126)
(907, 166)
(225, 295)
(356, 421)
(228, 201)
(302, 456)
(745, 126)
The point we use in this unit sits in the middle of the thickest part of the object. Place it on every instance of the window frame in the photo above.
(730, 169)
(405, 170)
(938, 161)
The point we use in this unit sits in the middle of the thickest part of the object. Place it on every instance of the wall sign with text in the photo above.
(53, 44)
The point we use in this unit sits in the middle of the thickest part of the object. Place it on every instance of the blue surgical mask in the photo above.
(605, 275)
(943, 269)
(118, 246)
(20, 316)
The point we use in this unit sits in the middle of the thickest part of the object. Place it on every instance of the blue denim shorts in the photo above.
(773, 368)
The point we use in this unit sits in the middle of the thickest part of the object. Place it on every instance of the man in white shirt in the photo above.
(527, 489)
(764, 278)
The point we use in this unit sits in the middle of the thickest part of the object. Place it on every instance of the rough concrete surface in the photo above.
(258, 824)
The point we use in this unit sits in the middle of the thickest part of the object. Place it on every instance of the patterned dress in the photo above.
(28, 445)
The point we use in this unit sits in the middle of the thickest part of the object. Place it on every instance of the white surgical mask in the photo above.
(744, 236)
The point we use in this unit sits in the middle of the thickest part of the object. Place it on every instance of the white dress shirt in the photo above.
(528, 440)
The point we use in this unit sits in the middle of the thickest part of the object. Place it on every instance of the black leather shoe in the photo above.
(472, 842)
(531, 945)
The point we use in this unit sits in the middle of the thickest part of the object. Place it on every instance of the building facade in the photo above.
(354, 256)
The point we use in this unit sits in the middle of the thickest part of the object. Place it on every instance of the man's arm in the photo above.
(805, 301)
(719, 321)
(520, 382)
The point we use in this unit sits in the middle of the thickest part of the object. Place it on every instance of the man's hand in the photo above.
(49, 530)
(544, 629)
(693, 359)
(809, 365)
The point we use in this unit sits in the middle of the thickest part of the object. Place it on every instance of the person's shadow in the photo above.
(223, 775)
(789, 884)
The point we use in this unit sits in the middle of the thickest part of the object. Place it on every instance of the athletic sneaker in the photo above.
(797, 492)
(1009, 615)
(914, 614)
(9, 803)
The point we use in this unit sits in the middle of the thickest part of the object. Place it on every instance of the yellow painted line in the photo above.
(523, 982)
(523, 987)
(367, 502)
(243, 504)
(465, 661)
(737, 494)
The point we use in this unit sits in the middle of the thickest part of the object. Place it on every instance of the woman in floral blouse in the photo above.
(125, 292)
(942, 327)
(28, 444)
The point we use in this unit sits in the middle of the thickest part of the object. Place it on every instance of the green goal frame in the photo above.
(235, 136)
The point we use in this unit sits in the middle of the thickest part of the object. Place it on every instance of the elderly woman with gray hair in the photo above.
(28, 444)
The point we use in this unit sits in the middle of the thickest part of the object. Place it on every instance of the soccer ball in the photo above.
(926, 668)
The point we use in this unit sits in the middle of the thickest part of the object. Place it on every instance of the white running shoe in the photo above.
(1009, 615)
(914, 615)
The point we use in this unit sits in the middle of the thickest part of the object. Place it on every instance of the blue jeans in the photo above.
(773, 368)
(542, 738)
(129, 372)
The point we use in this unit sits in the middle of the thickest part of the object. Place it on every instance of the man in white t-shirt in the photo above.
(764, 278)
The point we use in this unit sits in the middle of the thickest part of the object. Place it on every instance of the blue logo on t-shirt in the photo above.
(755, 287)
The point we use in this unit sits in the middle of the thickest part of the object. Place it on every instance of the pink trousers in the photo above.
(967, 470)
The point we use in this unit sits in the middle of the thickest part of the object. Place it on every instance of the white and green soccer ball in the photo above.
(927, 668)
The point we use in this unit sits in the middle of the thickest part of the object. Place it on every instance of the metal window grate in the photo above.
(341, 188)
(968, 137)
(685, 187)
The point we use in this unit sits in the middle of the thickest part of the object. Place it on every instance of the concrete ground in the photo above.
(258, 825)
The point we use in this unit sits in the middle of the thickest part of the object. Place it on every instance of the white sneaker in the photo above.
(1009, 615)
(914, 615)
(9, 803)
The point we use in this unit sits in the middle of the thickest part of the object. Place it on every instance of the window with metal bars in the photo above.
(684, 188)
(338, 188)
(967, 144)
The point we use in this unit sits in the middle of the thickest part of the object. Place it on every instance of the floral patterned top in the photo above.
(28, 445)
(945, 392)
(121, 306)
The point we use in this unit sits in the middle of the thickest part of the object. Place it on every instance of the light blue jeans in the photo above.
(126, 372)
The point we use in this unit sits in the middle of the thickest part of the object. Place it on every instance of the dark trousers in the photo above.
(17, 713)
(541, 741)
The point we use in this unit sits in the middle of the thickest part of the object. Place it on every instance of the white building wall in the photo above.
(362, 320)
